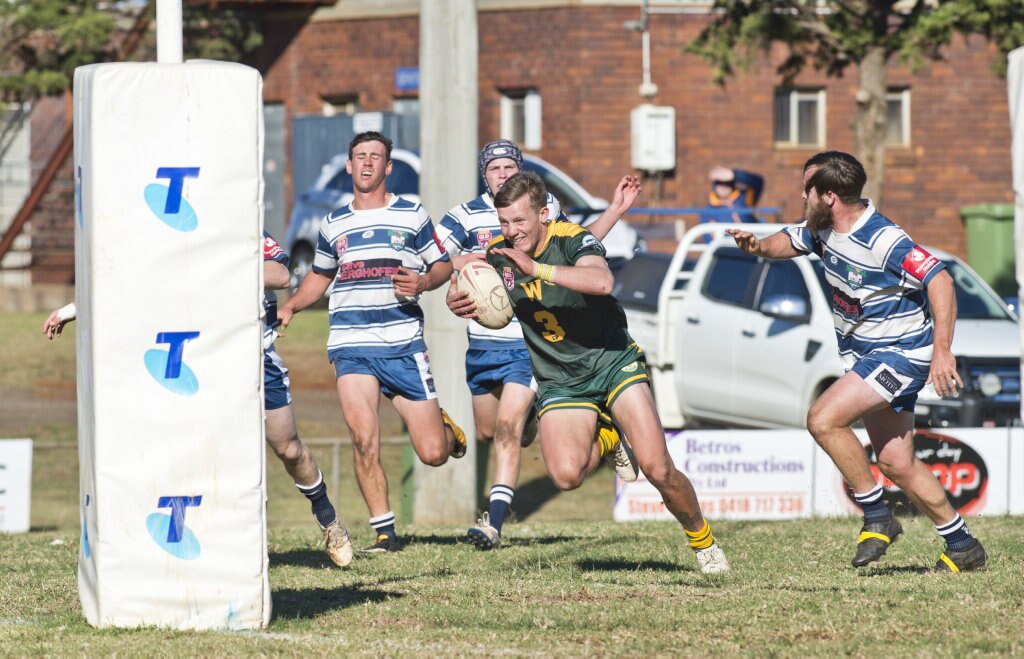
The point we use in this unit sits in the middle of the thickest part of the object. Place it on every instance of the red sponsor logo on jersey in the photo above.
(919, 263)
(509, 278)
(341, 246)
(270, 248)
(483, 238)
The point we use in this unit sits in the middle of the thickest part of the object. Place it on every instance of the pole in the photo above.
(168, 32)
(448, 145)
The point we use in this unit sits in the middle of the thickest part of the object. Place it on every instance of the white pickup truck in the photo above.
(732, 339)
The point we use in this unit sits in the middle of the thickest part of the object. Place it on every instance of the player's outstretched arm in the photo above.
(942, 300)
(409, 283)
(275, 275)
(58, 318)
(626, 192)
(775, 246)
(590, 275)
(312, 288)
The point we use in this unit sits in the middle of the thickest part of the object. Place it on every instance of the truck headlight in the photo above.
(990, 384)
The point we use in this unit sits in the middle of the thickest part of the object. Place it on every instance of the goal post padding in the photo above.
(168, 247)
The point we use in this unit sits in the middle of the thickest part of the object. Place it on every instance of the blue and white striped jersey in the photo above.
(877, 277)
(361, 250)
(272, 251)
(468, 228)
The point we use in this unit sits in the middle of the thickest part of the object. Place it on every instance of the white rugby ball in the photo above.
(493, 306)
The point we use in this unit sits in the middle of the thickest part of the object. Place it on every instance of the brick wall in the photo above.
(587, 68)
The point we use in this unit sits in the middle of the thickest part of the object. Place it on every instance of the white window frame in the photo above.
(529, 135)
(340, 105)
(795, 96)
(903, 96)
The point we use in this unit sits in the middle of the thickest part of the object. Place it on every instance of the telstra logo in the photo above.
(170, 532)
(167, 366)
(167, 202)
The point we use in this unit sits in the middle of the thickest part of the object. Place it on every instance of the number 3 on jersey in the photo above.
(553, 332)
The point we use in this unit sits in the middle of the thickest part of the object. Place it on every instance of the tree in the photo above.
(43, 41)
(831, 35)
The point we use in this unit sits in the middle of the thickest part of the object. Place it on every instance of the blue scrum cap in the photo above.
(500, 149)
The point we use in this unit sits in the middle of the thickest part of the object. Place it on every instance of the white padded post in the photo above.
(168, 247)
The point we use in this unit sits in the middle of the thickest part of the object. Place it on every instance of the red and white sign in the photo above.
(783, 474)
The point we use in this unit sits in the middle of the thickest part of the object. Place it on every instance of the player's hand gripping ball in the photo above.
(493, 307)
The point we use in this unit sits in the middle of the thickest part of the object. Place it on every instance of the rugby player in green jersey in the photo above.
(582, 355)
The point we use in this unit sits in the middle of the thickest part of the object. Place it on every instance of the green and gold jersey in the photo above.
(567, 333)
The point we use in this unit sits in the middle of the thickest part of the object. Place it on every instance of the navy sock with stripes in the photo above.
(956, 534)
(317, 495)
(501, 500)
(872, 505)
(384, 525)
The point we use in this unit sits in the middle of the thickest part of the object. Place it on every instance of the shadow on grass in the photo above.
(315, 558)
(531, 496)
(620, 565)
(301, 603)
(894, 569)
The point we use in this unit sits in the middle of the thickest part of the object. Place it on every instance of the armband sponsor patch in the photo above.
(919, 263)
(590, 243)
(270, 248)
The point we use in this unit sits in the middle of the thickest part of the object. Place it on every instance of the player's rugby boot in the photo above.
(712, 560)
(968, 560)
(874, 540)
(615, 449)
(338, 543)
(459, 446)
(382, 545)
(483, 535)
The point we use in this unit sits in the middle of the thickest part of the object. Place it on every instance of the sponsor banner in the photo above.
(737, 474)
(782, 474)
(15, 484)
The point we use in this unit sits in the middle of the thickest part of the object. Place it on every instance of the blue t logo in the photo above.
(168, 366)
(170, 532)
(177, 175)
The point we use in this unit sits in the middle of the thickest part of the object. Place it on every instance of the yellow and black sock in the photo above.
(700, 539)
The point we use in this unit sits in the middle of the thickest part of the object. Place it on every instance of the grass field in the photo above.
(569, 582)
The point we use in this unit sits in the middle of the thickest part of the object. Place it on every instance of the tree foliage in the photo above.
(832, 35)
(43, 41)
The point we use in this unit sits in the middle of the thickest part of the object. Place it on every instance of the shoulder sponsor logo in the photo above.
(168, 367)
(341, 246)
(368, 233)
(483, 237)
(169, 531)
(168, 202)
(957, 466)
(833, 260)
(888, 380)
(629, 368)
(919, 262)
(270, 248)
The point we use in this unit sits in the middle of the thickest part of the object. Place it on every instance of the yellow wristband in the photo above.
(551, 274)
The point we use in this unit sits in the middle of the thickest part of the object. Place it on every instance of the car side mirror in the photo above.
(791, 308)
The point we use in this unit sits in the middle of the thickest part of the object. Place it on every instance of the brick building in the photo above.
(584, 66)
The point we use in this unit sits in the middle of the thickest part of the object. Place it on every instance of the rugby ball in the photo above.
(493, 306)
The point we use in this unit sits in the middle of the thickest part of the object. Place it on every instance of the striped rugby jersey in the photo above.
(876, 277)
(272, 251)
(468, 228)
(361, 250)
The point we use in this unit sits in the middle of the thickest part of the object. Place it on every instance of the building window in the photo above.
(521, 118)
(799, 117)
(897, 132)
(340, 105)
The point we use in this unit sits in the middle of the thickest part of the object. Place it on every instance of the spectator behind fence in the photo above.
(732, 191)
